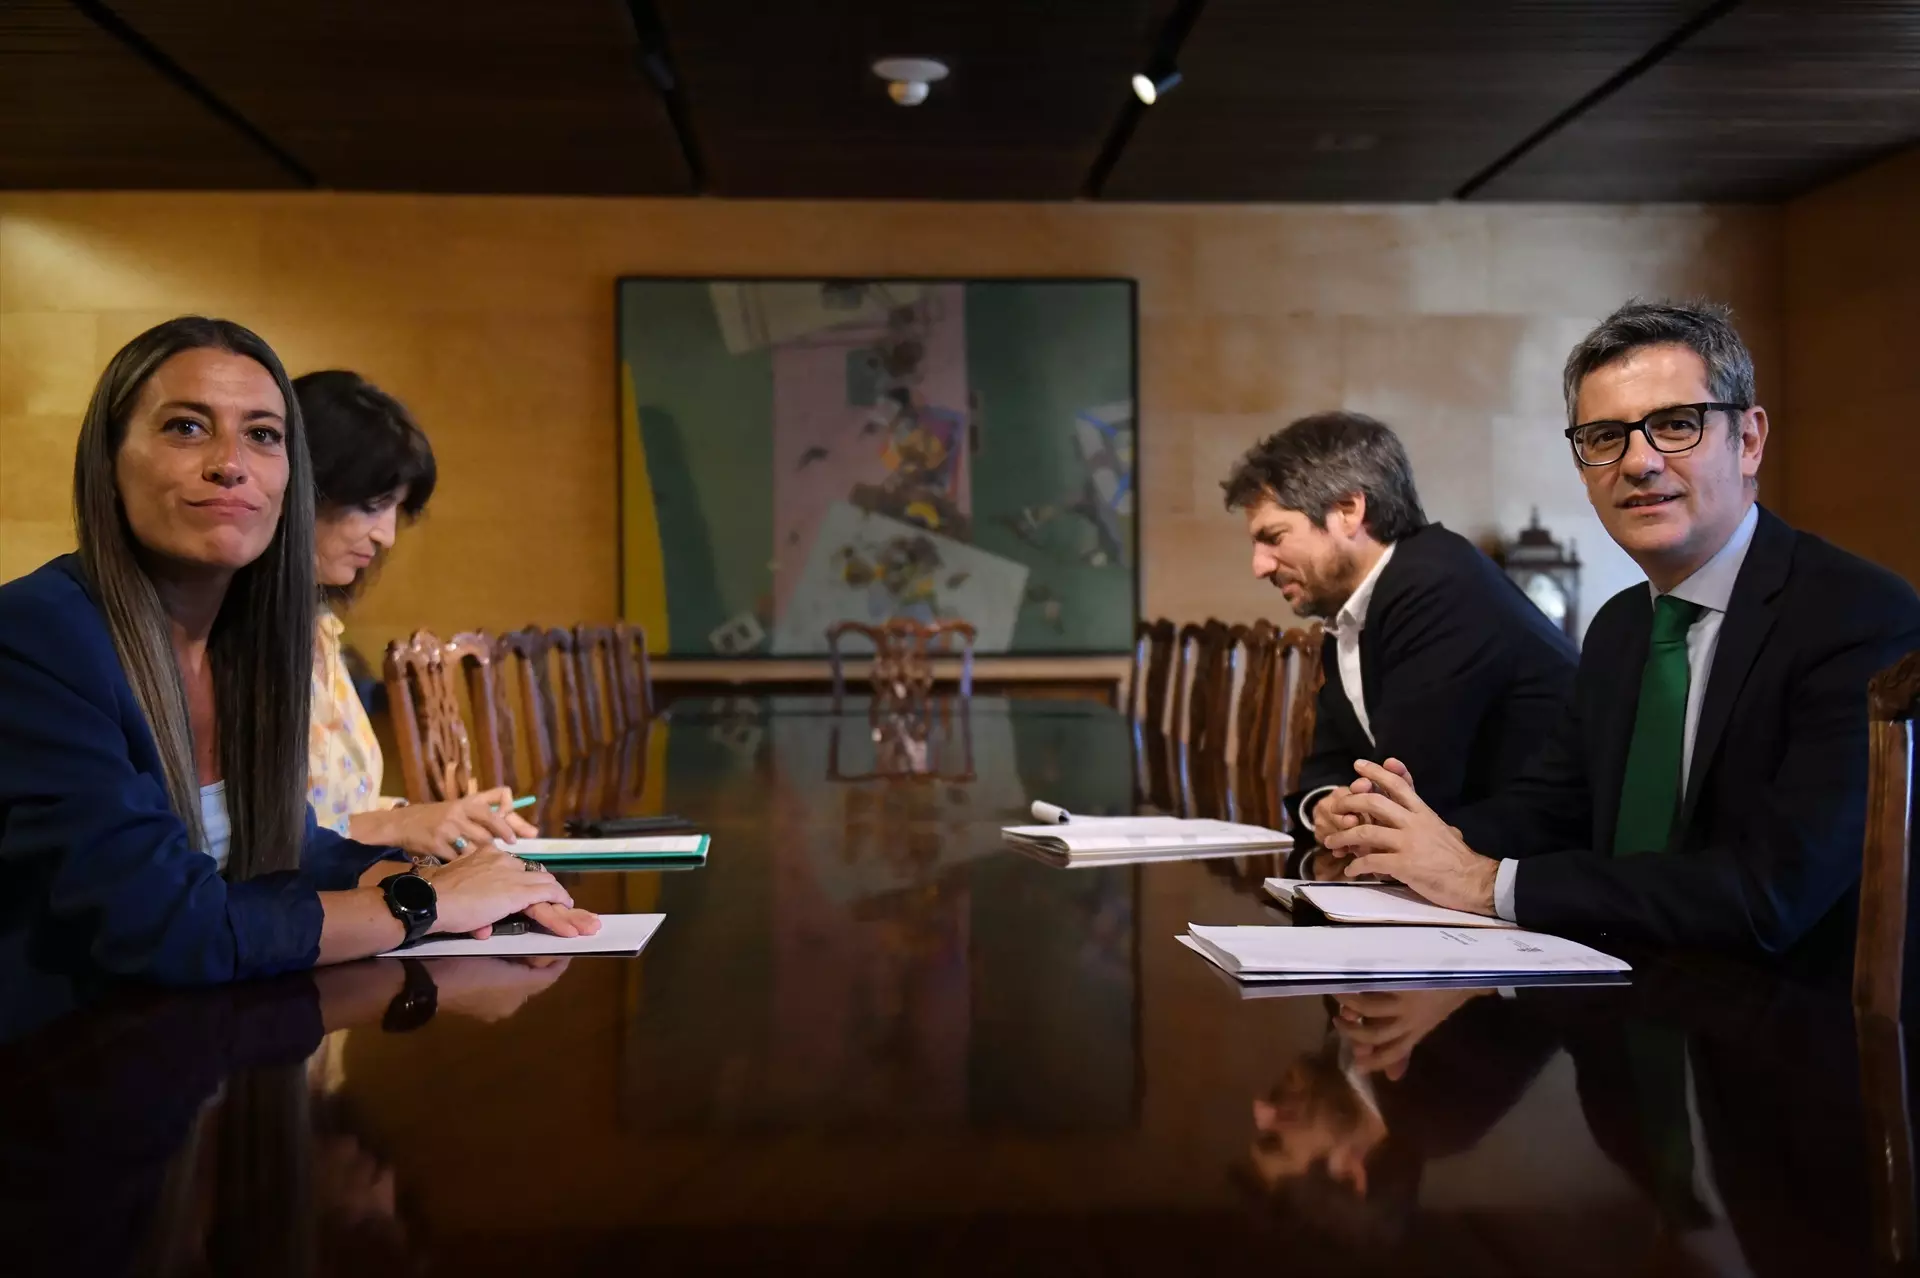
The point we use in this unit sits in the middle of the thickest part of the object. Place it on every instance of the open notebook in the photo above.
(1375, 903)
(1084, 840)
(1315, 953)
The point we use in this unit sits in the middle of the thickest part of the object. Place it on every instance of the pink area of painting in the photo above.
(822, 445)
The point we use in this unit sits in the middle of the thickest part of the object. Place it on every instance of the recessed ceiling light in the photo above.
(1151, 88)
(907, 78)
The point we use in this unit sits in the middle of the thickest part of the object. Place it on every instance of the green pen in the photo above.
(524, 801)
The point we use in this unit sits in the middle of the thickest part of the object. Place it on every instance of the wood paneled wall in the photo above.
(1852, 339)
(493, 319)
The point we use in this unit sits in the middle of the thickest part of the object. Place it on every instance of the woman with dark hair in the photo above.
(372, 468)
(154, 701)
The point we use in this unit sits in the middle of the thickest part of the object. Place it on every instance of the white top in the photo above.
(1347, 625)
(1711, 587)
(1346, 628)
(214, 820)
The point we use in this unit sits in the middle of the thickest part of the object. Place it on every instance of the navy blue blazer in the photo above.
(95, 867)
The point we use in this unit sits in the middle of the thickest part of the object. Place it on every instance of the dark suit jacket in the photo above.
(1768, 845)
(95, 868)
(1461, 675)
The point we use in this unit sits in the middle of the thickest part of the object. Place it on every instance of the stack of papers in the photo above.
(618, 934)
(1084, 840)
(1319, 953)
(1375, 903)
(641, 853)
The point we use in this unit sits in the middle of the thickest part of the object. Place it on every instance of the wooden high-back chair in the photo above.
(1153, 645)
(551, 699)
(596, 652)
(1879, 956)
(492, 737)
(1203, 689)
(636, 672)
(436, 756)
(903, 654)
(1256, 702)
(1295, 684)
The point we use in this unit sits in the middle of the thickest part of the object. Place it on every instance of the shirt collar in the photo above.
(1354, 611)
(1711, 585)
(331, 626)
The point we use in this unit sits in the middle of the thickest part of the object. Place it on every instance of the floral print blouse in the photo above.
(344, 765)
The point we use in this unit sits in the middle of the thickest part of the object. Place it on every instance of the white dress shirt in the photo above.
(1346, 628)
(1711, 587)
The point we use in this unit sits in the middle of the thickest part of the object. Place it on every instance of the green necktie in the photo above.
(1650, 790)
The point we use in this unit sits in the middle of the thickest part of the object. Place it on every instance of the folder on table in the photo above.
(1255, 953)
(646, 853)
(1375, 903)
(1118, 839)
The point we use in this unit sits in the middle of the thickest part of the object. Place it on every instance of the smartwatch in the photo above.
(412, 901)
(416, 1002)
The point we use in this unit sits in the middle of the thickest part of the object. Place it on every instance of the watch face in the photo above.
(411, 893)
(1547, 594)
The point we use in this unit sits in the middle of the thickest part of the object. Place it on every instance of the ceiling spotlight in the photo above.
(1151, 88)
(907, 78)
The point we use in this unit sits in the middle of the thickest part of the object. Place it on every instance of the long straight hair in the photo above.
(261, 646)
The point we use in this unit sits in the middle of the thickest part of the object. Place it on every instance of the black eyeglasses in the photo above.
(1669, 430)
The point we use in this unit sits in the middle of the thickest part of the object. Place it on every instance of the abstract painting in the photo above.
(796, 453)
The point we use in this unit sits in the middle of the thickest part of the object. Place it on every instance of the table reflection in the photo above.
(869, 1036)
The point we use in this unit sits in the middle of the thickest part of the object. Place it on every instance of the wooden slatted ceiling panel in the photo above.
(784, 101)
(77, 110)
(1373, 99)
(435, 95)
(1775, 97)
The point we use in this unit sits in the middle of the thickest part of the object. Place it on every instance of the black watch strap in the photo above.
(415, 1004)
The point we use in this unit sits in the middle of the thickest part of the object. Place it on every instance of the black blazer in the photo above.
(1768, 847)
(1460, 672)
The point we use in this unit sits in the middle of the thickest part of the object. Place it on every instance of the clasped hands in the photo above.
(1380, 825)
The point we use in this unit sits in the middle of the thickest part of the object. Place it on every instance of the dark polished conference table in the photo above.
(869, 1038)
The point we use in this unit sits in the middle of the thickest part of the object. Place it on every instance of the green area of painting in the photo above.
(707, 418)
(1037, 355)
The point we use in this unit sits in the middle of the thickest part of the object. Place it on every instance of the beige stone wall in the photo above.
(493, 319)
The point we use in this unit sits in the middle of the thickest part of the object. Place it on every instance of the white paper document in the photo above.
(1143, 838)
(1299, 987)
(618, 934)
(1050, 814)
(1296, 953)
(671, 847)
(1376, 903)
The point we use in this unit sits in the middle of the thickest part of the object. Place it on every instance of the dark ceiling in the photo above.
(1351, 100)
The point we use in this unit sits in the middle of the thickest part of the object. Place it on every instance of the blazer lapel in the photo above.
(1750, 616)
(1385, 591)
(1614, 722)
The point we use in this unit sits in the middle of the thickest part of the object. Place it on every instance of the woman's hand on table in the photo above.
(452, 829)
(485, 886)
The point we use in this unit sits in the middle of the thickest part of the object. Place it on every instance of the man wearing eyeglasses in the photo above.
(1707, 785)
